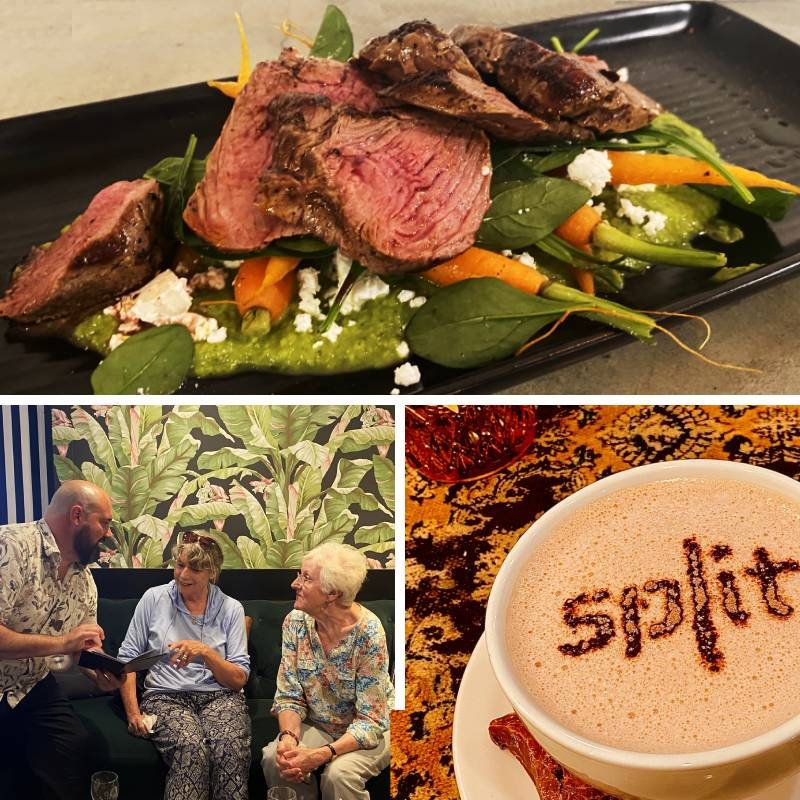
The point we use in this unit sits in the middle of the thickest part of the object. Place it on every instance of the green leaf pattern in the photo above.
(289, 477)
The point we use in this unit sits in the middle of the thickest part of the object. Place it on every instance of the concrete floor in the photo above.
(58, 53)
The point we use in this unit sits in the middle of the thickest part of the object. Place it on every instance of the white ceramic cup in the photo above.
(726, 773)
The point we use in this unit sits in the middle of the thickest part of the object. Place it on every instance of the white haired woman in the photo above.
(334, 693)
(203, 728)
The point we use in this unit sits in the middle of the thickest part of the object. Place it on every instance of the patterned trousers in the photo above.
(204, 738)
(341, 779)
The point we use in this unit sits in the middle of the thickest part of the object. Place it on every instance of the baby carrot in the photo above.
(669, 170)
(577, 229)
(479, 263)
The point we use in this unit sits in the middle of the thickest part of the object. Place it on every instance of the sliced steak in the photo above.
(552, 781)
(456, 95)
(115, 246)
(424, 67)
(413, 48)
(397, 190)
(224, 209)
(554, 85)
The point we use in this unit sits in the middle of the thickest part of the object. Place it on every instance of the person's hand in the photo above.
(289, 773)
(136, 725)
(106, 681)
(88, 636)
(305, 760)
(187, 650)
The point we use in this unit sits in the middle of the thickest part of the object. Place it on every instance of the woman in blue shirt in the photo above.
(202, 728)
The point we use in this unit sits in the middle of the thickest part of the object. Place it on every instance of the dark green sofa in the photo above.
(136, 761)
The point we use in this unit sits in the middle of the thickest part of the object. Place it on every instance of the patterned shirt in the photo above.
(34, 600)
(347, 691)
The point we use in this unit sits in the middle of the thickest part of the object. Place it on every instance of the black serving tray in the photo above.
(735, 79)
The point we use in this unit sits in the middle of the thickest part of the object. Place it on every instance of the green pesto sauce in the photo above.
(369, 344)
(689, 213)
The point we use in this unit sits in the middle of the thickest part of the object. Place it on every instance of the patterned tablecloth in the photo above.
(458, 536)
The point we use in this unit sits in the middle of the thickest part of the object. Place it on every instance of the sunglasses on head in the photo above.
(206, 542)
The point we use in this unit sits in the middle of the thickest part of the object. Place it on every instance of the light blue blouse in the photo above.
(161, 618)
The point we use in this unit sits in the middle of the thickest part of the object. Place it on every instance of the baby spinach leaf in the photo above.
(167, 170)
(334, 37)
(525, 212)
(155, 361)
(770, 203)
(477, 321)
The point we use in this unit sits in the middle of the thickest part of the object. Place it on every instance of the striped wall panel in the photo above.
(27, 475)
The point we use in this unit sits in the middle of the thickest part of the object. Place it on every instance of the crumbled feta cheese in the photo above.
(591, 169)
(165, 300)
(351, 323)
(140, 390)
(368, 287)
(404, 295)
(403, 350)
(303, 323)
(308, 287)
(332, 334)
(651, 221)
(656, 222)
(395, 391)
(417, 302)
(343, 264)
(232, 264)
(486, 170)
(619, 140)
(162, 299)
(508, 253)
(213, 278)
(636, 214)
(317, 344)
(636, 187)
(526, 259)
(116, 340)
(600, 208)
(623, 74)
(406, 374)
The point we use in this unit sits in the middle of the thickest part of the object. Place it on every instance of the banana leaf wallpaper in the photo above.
(269, 483)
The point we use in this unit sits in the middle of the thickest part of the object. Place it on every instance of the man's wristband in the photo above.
(333, 752)
(289, 733)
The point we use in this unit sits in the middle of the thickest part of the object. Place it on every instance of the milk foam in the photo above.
(665, 699)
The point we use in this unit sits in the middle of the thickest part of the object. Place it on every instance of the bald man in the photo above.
(48, 606)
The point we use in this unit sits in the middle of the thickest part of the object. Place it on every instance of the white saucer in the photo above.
(483, 770)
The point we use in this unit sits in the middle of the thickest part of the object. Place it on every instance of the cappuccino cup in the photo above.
(646, 630)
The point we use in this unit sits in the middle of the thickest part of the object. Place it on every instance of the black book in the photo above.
(94, 659)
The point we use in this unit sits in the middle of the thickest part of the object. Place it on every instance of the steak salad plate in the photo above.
(410, 214)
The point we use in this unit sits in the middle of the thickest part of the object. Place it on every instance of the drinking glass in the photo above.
(463, 443)
(105, 786)
(281, 793)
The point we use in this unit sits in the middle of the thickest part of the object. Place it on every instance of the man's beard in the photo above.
(87, 550)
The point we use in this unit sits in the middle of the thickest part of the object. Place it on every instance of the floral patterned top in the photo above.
(34, 600)
(347, 691)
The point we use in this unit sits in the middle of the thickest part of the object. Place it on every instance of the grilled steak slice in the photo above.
(456, 95)
(224, 209)
(554, 85)
(428, 69)
(397, 190)
(552, 781)
(112, 248)
(413, 48)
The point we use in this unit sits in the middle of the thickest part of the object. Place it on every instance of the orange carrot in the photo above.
(265, 283)
(584, 278)
(577, 228)
(669, 170)
(479, 263)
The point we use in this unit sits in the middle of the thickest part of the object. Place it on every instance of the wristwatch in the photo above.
(333, 751)
(289, 733)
